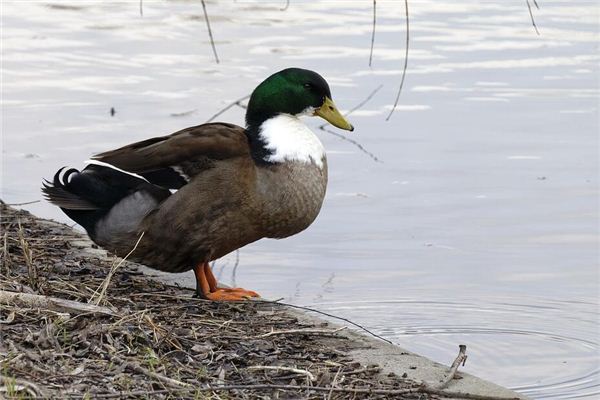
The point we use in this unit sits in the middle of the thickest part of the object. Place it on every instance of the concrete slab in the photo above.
(367, 350)
(394, 359)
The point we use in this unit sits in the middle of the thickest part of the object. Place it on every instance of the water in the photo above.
(480, 226)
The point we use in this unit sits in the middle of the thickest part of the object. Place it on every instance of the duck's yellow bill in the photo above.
(329, 112)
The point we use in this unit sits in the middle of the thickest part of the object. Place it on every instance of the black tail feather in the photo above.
(89, 195)
(59, 192)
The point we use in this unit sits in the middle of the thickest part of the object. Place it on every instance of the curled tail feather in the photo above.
(89, 196)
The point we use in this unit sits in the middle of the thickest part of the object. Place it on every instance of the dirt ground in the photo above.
(145, 339)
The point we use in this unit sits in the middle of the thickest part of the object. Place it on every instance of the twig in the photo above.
(287, 369)
(20, 385)
(301, 332)
(460, 360)
(184, 113)
(166, 334)
(235, 103)
(333, 383)
(287, 4)
(327, 315)
(354, 142)
(210, 35)
(138, 368)
(51, 303)
(22, 204)
(27, 254)
(238, 102)
(405, 62)
(110, 274)
(5, 265)
(298, 388)
(373, 31)
(141, 9)
(531, 15)
(359, 105)
(363, 369)
(158, 337)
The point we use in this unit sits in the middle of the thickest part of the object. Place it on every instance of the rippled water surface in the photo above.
(478, 226)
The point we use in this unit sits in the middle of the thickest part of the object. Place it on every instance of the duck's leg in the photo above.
(212, 283)
(206, 287)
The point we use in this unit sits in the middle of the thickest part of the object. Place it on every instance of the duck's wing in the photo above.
(172, 161)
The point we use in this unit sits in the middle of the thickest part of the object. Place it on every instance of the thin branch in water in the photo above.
(358, 106)
(234, 271)
(141, 9)
(221, 268)
(238, 102)
(405, 62)
(531, 15)
(184, 113)
(365, 101)
(287, 4)
(210, 35)
(354, 142)
(536, 4)
(373, 31)
(327, 315)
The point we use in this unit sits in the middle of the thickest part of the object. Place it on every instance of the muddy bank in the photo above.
(75, 323)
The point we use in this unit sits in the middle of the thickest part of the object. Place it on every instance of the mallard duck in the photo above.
(205, 191)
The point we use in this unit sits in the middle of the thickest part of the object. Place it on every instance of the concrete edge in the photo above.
(394, 359)
(369, 350)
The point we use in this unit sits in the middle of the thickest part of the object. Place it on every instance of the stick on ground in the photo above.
(51, 303)
(97, 297)
(302, 332)
(154, 375)
(286, 369)
(460, 360)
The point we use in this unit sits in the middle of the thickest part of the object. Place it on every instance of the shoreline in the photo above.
(154, 339)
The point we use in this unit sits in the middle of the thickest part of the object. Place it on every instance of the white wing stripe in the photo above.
(103, 164)
(180, 172)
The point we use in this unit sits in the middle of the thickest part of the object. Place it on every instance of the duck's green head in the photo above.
(294, 91)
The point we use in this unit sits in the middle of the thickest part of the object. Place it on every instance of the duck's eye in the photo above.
(308, 86)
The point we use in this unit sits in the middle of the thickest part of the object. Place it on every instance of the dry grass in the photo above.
(161, 343)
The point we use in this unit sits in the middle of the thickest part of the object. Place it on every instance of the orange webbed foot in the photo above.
(243, 292)
(206, 287)
(231, 294)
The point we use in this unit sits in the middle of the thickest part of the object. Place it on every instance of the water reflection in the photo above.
(498, 335)
(478, 226)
